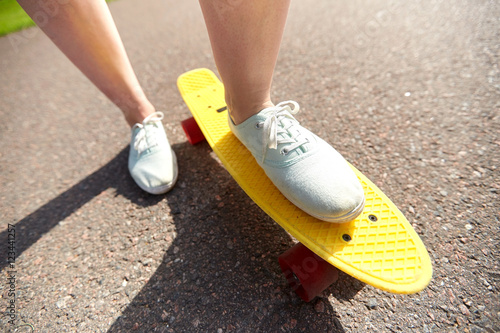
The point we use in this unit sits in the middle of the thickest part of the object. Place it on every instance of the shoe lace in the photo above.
(146, 137)
(274, 125)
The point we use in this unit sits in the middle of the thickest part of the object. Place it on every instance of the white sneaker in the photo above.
(152, 162)
(306, 169)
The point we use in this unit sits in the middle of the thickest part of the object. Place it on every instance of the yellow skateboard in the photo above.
(379, 247)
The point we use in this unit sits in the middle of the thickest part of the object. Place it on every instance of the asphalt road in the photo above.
(408, 93)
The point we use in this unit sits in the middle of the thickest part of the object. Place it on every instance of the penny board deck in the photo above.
(379, 247)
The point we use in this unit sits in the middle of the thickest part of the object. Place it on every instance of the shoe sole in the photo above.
(348, 217)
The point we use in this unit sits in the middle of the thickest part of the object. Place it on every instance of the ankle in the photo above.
(240, 113)
(138, 114)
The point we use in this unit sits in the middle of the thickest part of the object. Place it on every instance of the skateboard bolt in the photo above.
(346, 237)
(372, 218)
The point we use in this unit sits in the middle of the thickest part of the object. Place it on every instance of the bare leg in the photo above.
(246, 37)
(85, 32)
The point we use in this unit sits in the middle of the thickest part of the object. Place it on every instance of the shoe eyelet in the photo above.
(284, 151)
(258, 125)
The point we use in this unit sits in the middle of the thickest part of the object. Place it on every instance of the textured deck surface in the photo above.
(383, 249)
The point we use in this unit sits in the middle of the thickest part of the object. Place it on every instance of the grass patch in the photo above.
(13, 17)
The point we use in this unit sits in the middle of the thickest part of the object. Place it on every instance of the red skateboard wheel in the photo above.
(306, 272)
(193, 131)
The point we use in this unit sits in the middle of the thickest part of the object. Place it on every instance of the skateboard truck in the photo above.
(192, 131)
(306, 272)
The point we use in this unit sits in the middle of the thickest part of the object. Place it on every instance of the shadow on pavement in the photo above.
(114, 174)
(221, 271)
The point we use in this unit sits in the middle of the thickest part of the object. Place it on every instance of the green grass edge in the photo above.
(14, 18)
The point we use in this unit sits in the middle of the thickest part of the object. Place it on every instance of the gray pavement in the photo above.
(409, 93)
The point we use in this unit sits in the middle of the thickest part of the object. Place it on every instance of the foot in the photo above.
(152, 162)
(306, 169)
